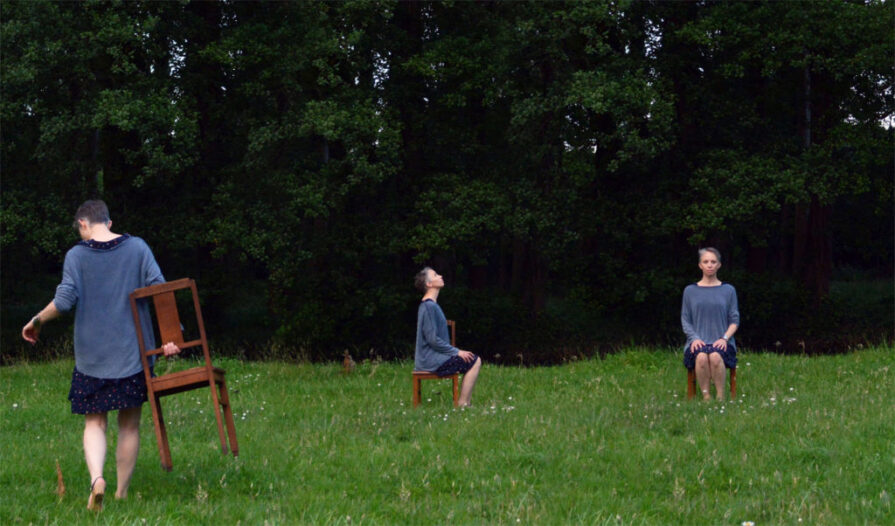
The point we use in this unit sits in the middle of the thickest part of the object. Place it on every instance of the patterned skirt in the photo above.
(89, 395)
(455, 364)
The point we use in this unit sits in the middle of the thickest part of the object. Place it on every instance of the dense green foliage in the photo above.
(558, 162)
(807, 441)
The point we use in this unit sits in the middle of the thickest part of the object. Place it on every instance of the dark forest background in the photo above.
(559, 162)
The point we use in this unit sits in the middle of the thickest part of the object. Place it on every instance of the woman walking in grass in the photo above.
(709, 313)
(434, 352)
(98, 275)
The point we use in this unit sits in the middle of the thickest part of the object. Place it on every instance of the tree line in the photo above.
(558, 162)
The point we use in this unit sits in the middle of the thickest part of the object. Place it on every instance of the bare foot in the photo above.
(97, 492)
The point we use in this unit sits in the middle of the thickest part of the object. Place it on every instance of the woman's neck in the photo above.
(100, 232)
(710, 281)
(431, 294)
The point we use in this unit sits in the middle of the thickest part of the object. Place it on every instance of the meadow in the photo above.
(808, 440)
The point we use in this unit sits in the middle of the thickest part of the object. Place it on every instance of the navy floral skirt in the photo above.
(455, 364)
(729, 356)
(89, 395)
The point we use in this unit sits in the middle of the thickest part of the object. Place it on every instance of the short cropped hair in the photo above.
(93, 211)
(713, 250)
(421, 280)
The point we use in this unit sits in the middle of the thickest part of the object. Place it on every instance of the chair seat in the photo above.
(428, 375)
(185, 380)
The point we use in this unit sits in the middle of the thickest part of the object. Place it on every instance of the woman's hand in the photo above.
(170, 349)
(696, 345)
(466, 356)
(720, 343)
(31, 331)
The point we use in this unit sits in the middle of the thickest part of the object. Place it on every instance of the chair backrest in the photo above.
(167, 318)
(452, 325)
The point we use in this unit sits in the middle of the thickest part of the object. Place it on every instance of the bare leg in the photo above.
(716, 364)
(128, 447)
(469, 383)
(703, 375)
(95, 454)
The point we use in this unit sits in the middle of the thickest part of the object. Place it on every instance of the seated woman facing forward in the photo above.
(710, 317)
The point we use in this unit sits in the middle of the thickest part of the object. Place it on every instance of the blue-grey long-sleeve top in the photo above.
(706, 312)
(433, 339)
(97, 283)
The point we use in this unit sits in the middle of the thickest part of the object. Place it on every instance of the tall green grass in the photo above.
(611, 441)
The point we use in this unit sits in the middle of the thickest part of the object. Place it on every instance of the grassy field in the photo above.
(611, 441)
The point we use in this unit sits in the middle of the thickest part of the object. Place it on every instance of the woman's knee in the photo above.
(129, 418)
(96, 421)
(701, 359)
(715, 359)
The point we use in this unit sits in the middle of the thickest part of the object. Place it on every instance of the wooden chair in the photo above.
(691, 383)
(419, 376)
(171, 330)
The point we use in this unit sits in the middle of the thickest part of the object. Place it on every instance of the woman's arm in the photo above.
(721, 342)
(152, 274)
(696, 342)
(733, 320)
(31, 330)
(430, 334)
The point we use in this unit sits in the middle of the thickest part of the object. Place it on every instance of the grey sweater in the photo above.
(433, 346)
(98, 282)
(706, 312)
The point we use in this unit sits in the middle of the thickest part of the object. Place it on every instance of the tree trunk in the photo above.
(812, 256)
(820, 248)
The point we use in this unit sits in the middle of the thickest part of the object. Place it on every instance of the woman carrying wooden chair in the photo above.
(98, 274)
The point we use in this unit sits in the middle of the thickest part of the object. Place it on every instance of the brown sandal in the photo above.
(97, 492)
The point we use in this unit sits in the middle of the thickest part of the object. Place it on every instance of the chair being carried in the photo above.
(171, 330)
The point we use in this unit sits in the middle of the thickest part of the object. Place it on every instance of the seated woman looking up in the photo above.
(434, 353)
(710, 317)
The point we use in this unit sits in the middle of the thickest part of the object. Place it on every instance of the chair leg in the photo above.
(456, 392)
(228, 418)
(417, 395)
(733, 383)
(161, 434)
(215, 400)
(691, 383)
